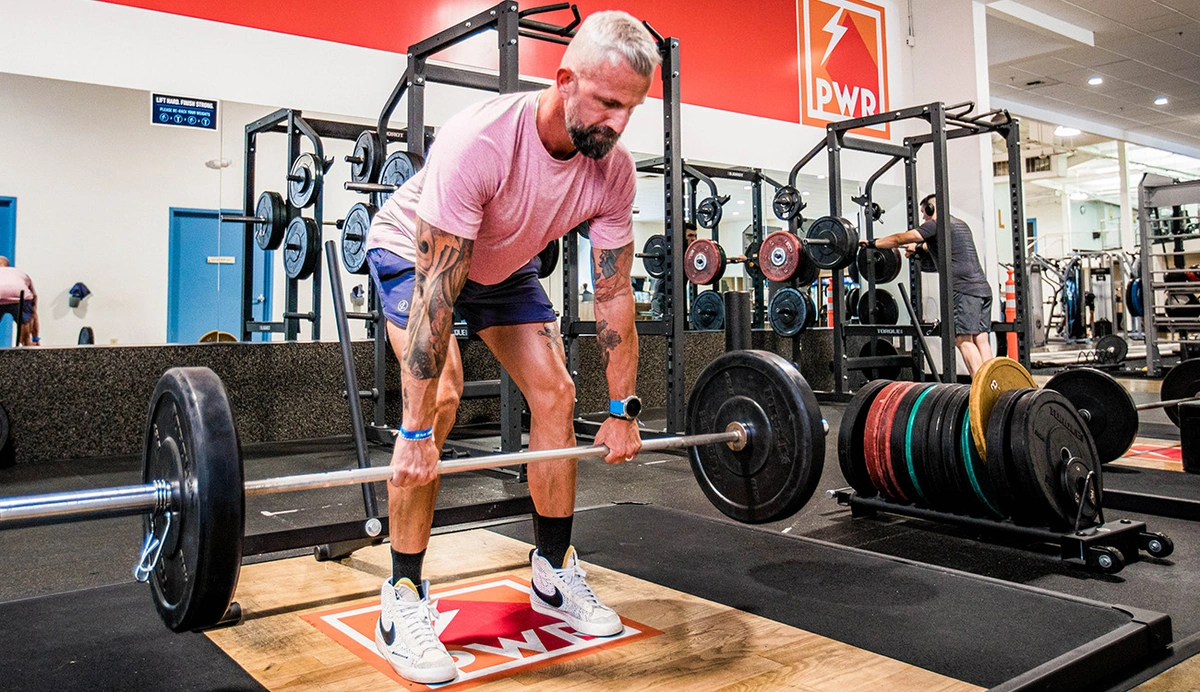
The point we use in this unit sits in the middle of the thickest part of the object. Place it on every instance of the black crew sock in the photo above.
(408, 566)
(552, 536)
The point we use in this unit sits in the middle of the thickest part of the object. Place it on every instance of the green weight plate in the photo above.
(842, 245)
(1180, 382)
(355, 227)
(708, 311)
(926, 460)
(268, 233)
(305, 180)
(976, 470)
(1050, 445)
(788, 312)
(301, 248)
(547, 259)
(192, 444)
(1105, 405)
(851, 455)
(901, 459)
(779, 468)
(367, 158)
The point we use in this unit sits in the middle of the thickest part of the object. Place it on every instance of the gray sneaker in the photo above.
(406, 638)
(564, 594)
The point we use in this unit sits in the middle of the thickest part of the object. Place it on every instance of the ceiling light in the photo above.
(741, 201)
(1160, 101)
(737, 213)
(820, 176)
(745, 187)
(804, 194)
(1078, 196)
(1096, 81)
(1064, 131)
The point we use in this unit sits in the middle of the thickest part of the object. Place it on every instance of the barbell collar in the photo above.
(331, 479)
(79, 505)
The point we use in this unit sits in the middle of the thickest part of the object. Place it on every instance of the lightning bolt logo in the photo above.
(836, 31)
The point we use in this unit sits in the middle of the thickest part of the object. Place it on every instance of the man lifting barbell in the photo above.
(972, 294)
(504, 178)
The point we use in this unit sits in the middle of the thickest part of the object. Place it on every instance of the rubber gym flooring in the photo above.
(73, 618)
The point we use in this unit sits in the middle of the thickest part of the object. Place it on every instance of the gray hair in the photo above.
(605, 35)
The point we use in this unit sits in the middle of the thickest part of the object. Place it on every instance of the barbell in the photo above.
(754, 431)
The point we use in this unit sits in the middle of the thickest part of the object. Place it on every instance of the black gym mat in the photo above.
(975, 629)
(1152, 491)
(108, 638)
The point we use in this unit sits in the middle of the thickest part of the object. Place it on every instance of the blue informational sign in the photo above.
(183, 112)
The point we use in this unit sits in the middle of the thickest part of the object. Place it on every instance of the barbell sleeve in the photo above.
(1164, 404)
(77, 505)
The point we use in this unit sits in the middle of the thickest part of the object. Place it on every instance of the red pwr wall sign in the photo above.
(843, 62)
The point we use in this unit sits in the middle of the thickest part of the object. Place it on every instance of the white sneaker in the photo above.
(564, 594)
(406, 638)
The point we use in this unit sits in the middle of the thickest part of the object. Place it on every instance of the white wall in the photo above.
(108, 228)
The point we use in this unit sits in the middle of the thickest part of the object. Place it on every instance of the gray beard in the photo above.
(593, 142)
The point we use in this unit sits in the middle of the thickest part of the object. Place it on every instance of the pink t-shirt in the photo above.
(489, 178)
(12, 282)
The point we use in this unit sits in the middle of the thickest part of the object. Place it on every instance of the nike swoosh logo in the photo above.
(389, 635)
(554, 600)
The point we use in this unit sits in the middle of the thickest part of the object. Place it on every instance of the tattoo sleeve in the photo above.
(615, 329)
(443, 261)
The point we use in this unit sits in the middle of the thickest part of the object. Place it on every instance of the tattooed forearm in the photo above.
(610, 270)
(443, 261)
(609, 339)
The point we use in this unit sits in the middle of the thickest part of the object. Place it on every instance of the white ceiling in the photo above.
(1143, 49)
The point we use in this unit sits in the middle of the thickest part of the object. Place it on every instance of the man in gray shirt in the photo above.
(972, 294)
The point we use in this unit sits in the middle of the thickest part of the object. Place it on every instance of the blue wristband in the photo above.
(416, 434)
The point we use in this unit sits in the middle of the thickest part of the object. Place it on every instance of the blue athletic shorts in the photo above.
(519, 299)
(14, 308)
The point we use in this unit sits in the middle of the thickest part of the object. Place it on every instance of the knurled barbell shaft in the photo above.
(57, 508)
(242, 219)
(369, 187)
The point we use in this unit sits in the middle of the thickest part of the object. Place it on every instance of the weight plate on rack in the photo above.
(886, 265)
(882, 347)
(787, 203)
(1180, 382)
(1051, 445)
(708, 212)
(780, 255)
(1133, 297)
(301, 248)
(355, 227)
(1105, 406)
(1111, 349)
(993, 378)
(397, 169)
(753, 270)
(876, 433)
(304, 180)
(947, 413)
(811, 314)
(192, 444)
(780, 466)
(839, 242)
(852, 438)
(704, 262)
(926, 461)
(268, 233)
(851, 303)
(899, 455)
(999, 449)
(708, 311)
(655, 260)
(368, 158)
(788, 312)
(887, 311)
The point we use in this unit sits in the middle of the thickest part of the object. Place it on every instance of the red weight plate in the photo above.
(704, 262)
(876, 439)
(883, 439)
(779, 256)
